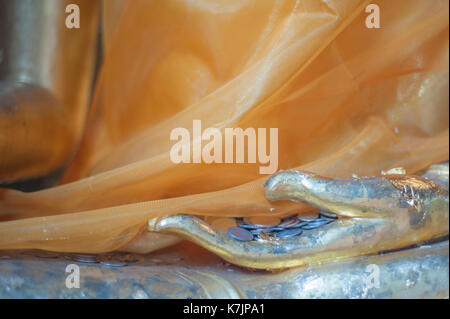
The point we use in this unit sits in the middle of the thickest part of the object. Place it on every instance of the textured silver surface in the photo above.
(414, 273)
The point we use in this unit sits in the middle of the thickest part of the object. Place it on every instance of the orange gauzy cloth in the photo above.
(346, 99)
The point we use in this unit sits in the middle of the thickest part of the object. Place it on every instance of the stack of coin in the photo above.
(270, 227)
(83, 258)
(240, 234)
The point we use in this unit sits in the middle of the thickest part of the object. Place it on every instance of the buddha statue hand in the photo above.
(376, 214)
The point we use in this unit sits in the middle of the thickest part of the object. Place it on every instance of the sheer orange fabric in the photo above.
(345, 99)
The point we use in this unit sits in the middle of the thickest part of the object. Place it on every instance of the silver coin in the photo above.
(299, 225)
(306, 220)
(243, 223)
(325, 221)
(113, 264)
(261, 222)
(309, 227)
(328, 215)
(315, 224)
(84, 258)
(248, 226)
(289, 223)
(239, 233)
(289, 233)
(111, 260)
(320, 221)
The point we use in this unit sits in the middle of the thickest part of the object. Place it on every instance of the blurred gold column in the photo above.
(46, 72)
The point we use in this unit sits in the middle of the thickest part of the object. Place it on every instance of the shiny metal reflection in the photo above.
(46, 73)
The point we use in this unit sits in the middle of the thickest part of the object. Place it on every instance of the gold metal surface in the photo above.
(46, 73)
